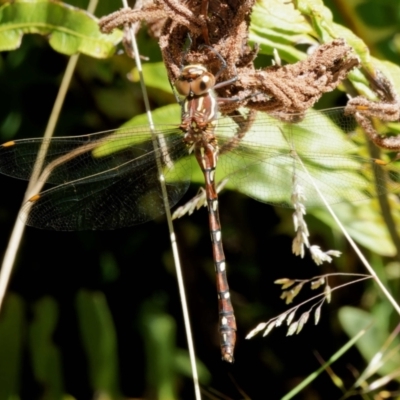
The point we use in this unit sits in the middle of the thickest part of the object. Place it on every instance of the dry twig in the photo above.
(386, 109)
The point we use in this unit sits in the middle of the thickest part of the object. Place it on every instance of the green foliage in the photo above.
(278, 25)
(363, 222)
(99, 341)
(156, 77)
(71, 30)
(46, 357)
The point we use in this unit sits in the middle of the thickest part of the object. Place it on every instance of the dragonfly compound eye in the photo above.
(194, 80)
(203, 84)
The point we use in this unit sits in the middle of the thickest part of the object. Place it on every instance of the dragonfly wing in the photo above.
(70, 158)
(274, 156)
(125, 195)
(276, 179)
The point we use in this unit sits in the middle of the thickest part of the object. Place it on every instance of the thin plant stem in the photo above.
(19, 226)
(172, 236)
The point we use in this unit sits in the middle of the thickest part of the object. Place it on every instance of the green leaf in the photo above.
(320, 17)
(159, 333)
(284, 25)
(46, 357)
(70, 30)
(155, 76)
(170, 114)
(99, 341)
(364, 223)
(131, 132)
(278, 25)
(11, 345)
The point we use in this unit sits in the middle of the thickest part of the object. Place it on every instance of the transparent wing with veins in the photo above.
(103, 181)
(109, 180)
(265, 161)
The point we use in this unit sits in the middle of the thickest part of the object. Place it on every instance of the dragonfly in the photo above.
(109, 180)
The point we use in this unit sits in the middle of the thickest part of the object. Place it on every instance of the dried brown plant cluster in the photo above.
(223, 25)
(294, 88)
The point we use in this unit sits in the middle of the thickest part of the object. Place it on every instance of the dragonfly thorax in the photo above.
(194, 80)
(200, 106)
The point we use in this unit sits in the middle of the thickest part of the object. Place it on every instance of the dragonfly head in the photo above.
(194, 80)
